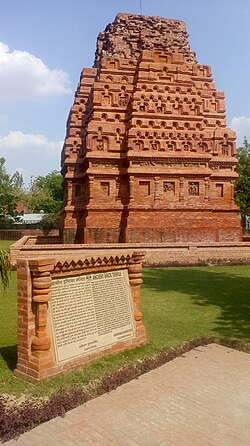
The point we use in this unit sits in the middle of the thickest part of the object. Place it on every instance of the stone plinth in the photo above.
(148, 155)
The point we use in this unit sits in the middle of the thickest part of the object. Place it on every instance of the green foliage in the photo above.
(6, 244)
(46, 194)
(10, 189)
(4, 267)
(243, 155)
(50, 221)
(242, 184)
(9, 182)
(8, 202)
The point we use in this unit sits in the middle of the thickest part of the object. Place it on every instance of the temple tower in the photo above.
(147, 155)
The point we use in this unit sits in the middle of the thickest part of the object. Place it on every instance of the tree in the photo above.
(46, 194)
(7, 181)
(50, 221)
(242, 184)
(10, 191)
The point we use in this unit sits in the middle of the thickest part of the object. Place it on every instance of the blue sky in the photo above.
(46, 43)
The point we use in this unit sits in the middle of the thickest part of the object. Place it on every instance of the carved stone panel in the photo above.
(169, 188)
(193, 188)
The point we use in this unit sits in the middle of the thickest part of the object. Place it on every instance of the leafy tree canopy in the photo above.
(10, 189)
(242, 184)
(7, 181)
(46, 194)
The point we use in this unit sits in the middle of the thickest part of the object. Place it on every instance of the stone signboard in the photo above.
(71, 312)
(90, 312)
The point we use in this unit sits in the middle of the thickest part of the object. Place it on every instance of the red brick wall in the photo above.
(158, 254)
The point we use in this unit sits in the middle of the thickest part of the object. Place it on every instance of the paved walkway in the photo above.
(199, 399)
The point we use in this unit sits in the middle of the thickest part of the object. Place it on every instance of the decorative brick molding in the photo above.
(36, 354)
(158, 254)
(41, 358)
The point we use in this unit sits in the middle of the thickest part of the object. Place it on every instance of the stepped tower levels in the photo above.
(147, 155)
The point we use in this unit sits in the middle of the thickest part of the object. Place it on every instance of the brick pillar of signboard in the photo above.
(35, 358)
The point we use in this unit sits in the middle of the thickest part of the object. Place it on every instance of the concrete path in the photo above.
(199, 399)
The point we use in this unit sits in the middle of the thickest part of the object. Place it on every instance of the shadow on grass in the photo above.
(9, 356)
(210, 287)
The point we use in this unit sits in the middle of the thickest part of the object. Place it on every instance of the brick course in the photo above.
(157, 254)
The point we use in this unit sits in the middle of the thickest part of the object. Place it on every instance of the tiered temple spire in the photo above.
(147, 155)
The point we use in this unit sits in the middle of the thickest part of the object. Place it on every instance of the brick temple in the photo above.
(148, 156)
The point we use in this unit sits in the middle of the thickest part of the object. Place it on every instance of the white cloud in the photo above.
(241, 125)
(24, 76)
(30, 154)
(17, 141)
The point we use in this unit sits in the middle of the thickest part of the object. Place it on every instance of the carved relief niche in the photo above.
(100, 142)
(124, 80)
(123, 97)
(117, 118)
(185, 107)
(169, 189)
(203, 147)
(154, 143)
(171, 146)
(187, 146)
(138, 142)
(193, 188)
(143, 104)
(107, 97)
(109, 78)
(225, 146)
(160, 106)
(147, 142)
(118, 136)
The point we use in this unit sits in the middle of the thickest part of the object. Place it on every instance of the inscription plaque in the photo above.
(90, 312)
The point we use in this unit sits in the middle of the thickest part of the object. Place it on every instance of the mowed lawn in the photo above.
(182, 303)
(8, 307)
(178, 304)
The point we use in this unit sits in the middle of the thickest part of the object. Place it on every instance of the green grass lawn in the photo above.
(5, 244)
(178, 304)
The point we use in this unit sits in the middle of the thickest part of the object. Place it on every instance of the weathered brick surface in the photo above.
(147, 155)
(14, 234)
(199, 399)
(158, 254)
